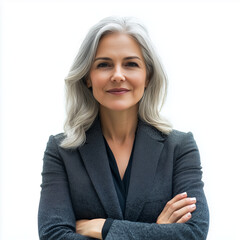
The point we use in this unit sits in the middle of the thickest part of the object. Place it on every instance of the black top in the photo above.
(121, 185)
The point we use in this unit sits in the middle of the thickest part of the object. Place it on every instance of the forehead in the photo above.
(119, 43)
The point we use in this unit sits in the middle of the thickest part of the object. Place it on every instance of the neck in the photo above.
(119, 126)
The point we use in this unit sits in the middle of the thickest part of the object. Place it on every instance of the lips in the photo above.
(118, 91)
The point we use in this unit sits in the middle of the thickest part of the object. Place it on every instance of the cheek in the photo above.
(97, 90)
(98, 80)
(98, 85)
(140, 84)
(139, 79)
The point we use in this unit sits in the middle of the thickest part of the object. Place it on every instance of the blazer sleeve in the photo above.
(56, 219)
(187, 176)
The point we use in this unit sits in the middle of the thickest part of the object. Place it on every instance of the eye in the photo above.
(103, 65)
(132, 64)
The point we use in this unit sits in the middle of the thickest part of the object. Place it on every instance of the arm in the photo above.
(56, 218)
(186, 177)
(177, 210)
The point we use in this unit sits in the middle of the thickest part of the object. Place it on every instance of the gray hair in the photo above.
(81, 106)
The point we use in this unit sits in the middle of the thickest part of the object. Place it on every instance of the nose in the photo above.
(118, 74)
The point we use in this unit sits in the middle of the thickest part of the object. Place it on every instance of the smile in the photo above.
(118, 91)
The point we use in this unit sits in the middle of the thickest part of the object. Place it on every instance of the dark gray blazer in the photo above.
(77, 184)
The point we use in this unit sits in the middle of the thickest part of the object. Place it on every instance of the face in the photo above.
(118, 74)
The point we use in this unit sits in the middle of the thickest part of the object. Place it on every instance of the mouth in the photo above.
(118, 91)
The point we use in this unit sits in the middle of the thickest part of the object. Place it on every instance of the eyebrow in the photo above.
(109, 59)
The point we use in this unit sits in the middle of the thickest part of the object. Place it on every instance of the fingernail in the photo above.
(189, 214)
(193, 199)
(184, 194)
(192, 206)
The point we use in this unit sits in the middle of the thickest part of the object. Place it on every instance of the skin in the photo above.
(118, 78)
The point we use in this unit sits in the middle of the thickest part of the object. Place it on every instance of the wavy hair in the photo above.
(81, 106)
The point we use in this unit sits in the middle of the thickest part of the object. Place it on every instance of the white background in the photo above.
(199, 44)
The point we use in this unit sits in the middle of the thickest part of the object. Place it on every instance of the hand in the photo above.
(177, 210)
(90, 228)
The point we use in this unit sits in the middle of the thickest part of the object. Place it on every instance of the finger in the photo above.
(175, 211)
(172, 209)
(169, 208)
(185, 218)
(171, 213)
(177, 198)
(173, 200)
(181, 212)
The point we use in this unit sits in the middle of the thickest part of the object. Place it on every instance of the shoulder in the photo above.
(183, 141)
(54, 141)
(59, 137)
(183, 145)
(178, 136)
(174, 141)
(174, 137)
(54, 145)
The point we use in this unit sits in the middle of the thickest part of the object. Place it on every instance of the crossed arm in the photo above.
(177, 210)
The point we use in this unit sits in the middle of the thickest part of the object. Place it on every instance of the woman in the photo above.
(119, 171)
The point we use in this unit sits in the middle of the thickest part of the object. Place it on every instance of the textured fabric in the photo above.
(106, 227)
(77, 184)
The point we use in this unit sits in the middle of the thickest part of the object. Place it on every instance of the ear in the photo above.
(89, 83)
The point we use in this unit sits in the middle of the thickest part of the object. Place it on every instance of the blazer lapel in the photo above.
(147, 151)
(94, 156)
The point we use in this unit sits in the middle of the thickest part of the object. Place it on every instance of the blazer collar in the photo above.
(94, 156)
(147, 150)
